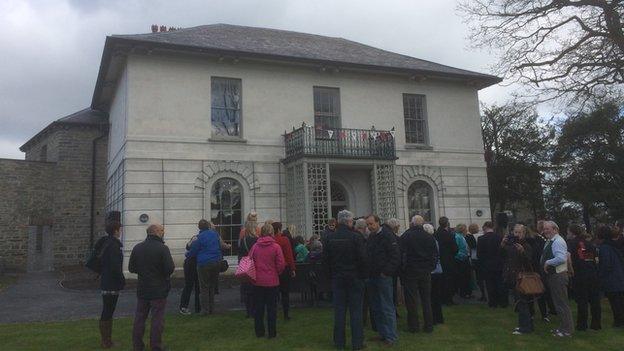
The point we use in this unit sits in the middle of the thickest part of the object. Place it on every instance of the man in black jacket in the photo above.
(152, 261)
(448, 249)
(344, 256)
(419, 253)
(489, 253)
(384, 257)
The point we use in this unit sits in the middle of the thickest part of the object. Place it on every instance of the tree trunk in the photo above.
(586, 218)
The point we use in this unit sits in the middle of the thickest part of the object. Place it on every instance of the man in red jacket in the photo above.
(289, 271)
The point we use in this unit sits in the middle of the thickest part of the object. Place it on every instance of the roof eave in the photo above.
(482, 80)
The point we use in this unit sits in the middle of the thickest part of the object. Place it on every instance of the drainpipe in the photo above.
(93, 164)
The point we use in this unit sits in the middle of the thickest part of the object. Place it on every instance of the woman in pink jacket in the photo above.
(269, 261)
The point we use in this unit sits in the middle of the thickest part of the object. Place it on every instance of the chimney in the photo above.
(163, 28)
(154, 28)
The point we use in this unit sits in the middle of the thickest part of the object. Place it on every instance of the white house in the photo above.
(218, 120)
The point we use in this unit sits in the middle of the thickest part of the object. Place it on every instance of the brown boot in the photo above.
(106, 331)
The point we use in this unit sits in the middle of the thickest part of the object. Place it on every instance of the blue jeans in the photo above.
(383, 308)
(348, 293)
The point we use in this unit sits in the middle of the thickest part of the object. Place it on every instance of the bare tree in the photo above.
(564, 49)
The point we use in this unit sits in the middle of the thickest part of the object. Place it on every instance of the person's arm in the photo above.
(481, 248)
(560, 251)
(132, 263)
(288, 255)
(116, 262)
(433, 252)
(393, 255)
(167, 262)
(194, 249)
(280, 262)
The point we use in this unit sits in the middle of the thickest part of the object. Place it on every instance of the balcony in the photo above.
(307, 141)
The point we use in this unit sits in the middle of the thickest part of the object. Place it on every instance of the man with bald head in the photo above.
(419, 252)
(152, 262)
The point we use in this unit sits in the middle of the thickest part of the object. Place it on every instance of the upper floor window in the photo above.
(415, 117)
(226, 107)
(326, 108)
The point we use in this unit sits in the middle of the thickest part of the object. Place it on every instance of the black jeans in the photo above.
(284, 289)
(437, 297)
(109, 303)
(191, 284)
(265, 298)
(525, 321)
(208, 280)
(418, 288)
(463, 277)
(586, 295)
(616, 300)
(497, 293)
(348, 293)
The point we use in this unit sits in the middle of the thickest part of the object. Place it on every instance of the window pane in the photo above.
(415, 119)
(420, 200)
(226, 211)
(226, 106)
(326, 108)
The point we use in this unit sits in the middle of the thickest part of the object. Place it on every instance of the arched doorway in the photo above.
(339, 198)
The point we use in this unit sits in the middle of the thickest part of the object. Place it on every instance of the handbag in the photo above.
(223, 266)
(246, 269)
(529, 283)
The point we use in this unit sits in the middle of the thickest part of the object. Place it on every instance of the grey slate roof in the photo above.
(294, 45)
(86, 117)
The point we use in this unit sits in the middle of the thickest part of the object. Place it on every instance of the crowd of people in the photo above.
(373, 265)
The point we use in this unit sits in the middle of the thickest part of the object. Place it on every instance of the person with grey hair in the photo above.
(345, 260)
(395, 225)
(360, 227)
(419, 256)
(555, 263)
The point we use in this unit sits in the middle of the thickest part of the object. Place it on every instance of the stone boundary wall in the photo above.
(27, 199)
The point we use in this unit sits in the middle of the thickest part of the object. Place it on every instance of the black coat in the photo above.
(448, 249)
(383, 252)
(152, 261)
(418, 251)
(489, 252)
(111, 277)
(344, 254)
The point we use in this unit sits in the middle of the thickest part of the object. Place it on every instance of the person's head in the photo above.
(113, 228)
(300, 240)
(314, 238)
(550, 229)
(461, 228)
(331, 224)
(204, 225)
(417, 220)
(267, 230)
(394, 224)
(360, 226)
(428, 228)
(575, 231)
(473, 228)
(443, 222)
(604, 232)
(519, 231)
(252, 217)
(292, 229)
(156, 229)
(373, 223)
(345, 217)
(488, 226)
(277, 227)
(250, 228)
(540, 226)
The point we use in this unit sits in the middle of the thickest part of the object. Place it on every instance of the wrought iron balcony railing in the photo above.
(340, 143)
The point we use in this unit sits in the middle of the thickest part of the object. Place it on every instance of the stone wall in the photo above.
(72, 193)
(27, 200)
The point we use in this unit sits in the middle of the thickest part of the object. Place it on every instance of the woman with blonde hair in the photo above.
(250, 221)
(462, 262)
(245, 243)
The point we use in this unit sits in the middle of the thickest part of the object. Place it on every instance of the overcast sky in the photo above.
(50, 51)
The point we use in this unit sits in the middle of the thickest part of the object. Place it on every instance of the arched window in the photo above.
(339, 199)
(226, 210)
(420, 200)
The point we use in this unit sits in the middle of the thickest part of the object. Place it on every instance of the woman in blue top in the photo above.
(462, 260)
(207, 250)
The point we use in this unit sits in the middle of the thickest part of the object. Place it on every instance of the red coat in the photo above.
(284, 243)
(269, 261)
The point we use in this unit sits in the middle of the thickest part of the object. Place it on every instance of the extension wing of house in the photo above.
(218, 120)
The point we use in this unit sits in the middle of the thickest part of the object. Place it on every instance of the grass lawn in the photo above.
(6, 280)
(468, 327)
